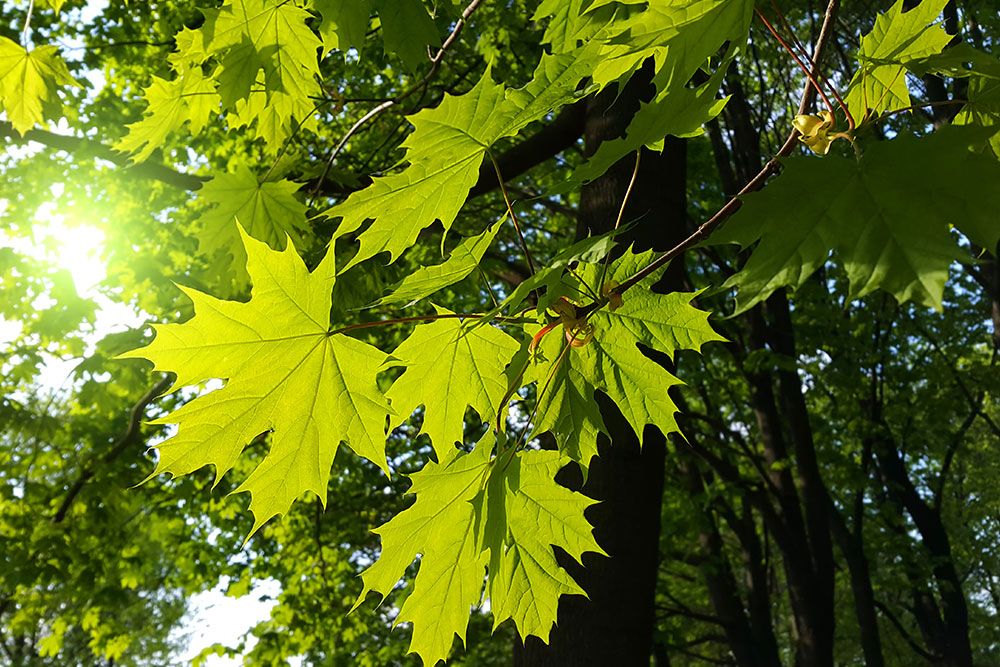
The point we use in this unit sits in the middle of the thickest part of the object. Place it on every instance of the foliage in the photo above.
(483, 375)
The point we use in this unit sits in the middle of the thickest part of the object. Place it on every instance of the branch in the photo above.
(126, 438)
(758, 181)
(84, 147)
(904, 634)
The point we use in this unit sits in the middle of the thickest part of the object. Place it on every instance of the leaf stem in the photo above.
(435, 66)
(426, 318)
(510, 211)
(618, 222)
(538, 397)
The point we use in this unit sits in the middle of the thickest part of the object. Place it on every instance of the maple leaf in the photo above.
(679, 36)
(407, 30)
(269, 212)
(472, 510)
(522, 512)
(189, 98)
(676, 110)
(887, 217)
(29, 82)
(440, 526)
(56, 5)
(344, 23)
(445, 151)
(269, 63)
(286, 374)
(426, 280)
(570, 21)
(897, 37)
(613, 363)
(982, 107)
(450, 367)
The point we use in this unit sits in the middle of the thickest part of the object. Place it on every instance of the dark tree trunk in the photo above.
(615, 626)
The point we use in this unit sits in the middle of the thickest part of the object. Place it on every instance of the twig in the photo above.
(435, 66)
(758, 181)
(618, 222)
(27, 24)
(134, 419)
(510, 211)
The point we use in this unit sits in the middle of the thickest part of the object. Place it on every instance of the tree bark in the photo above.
(615, 626)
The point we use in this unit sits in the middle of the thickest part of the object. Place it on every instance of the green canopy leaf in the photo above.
(29, 83)
(269, 212)
(450, 368)
(472, 510)
(887, 217)
(613, 362)
(189, 98)
(898, 36)
(286, 375)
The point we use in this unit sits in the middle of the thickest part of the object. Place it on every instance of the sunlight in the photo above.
(73, 247)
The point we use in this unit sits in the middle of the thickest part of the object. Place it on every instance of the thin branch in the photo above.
(758, 181)
(802, 65)
(82, 147)
(126, 438)
(618, 221)
(904, 634)
(135, 42)
(435, 66)
(513, 218)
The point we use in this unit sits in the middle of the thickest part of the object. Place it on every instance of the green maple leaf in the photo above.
(440, 526)
(189, 98)
(29, 83)
(53, 4)
(269, 212)
(569, 21)
(448, 368)
(286, 374)
(269, 63)
(982, 108)
(897, 37)
(407, 30)
(679, 36)
(426, 280)
(522, 513)
(445, 151)
(676, 110)
(474, 509)
(613, 363)
(887, 218)
(344, 23)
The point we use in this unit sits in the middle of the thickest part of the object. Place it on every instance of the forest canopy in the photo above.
(544, 332)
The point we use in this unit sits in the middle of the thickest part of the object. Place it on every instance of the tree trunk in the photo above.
(615, 626)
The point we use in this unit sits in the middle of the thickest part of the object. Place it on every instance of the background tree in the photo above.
(826, 495)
